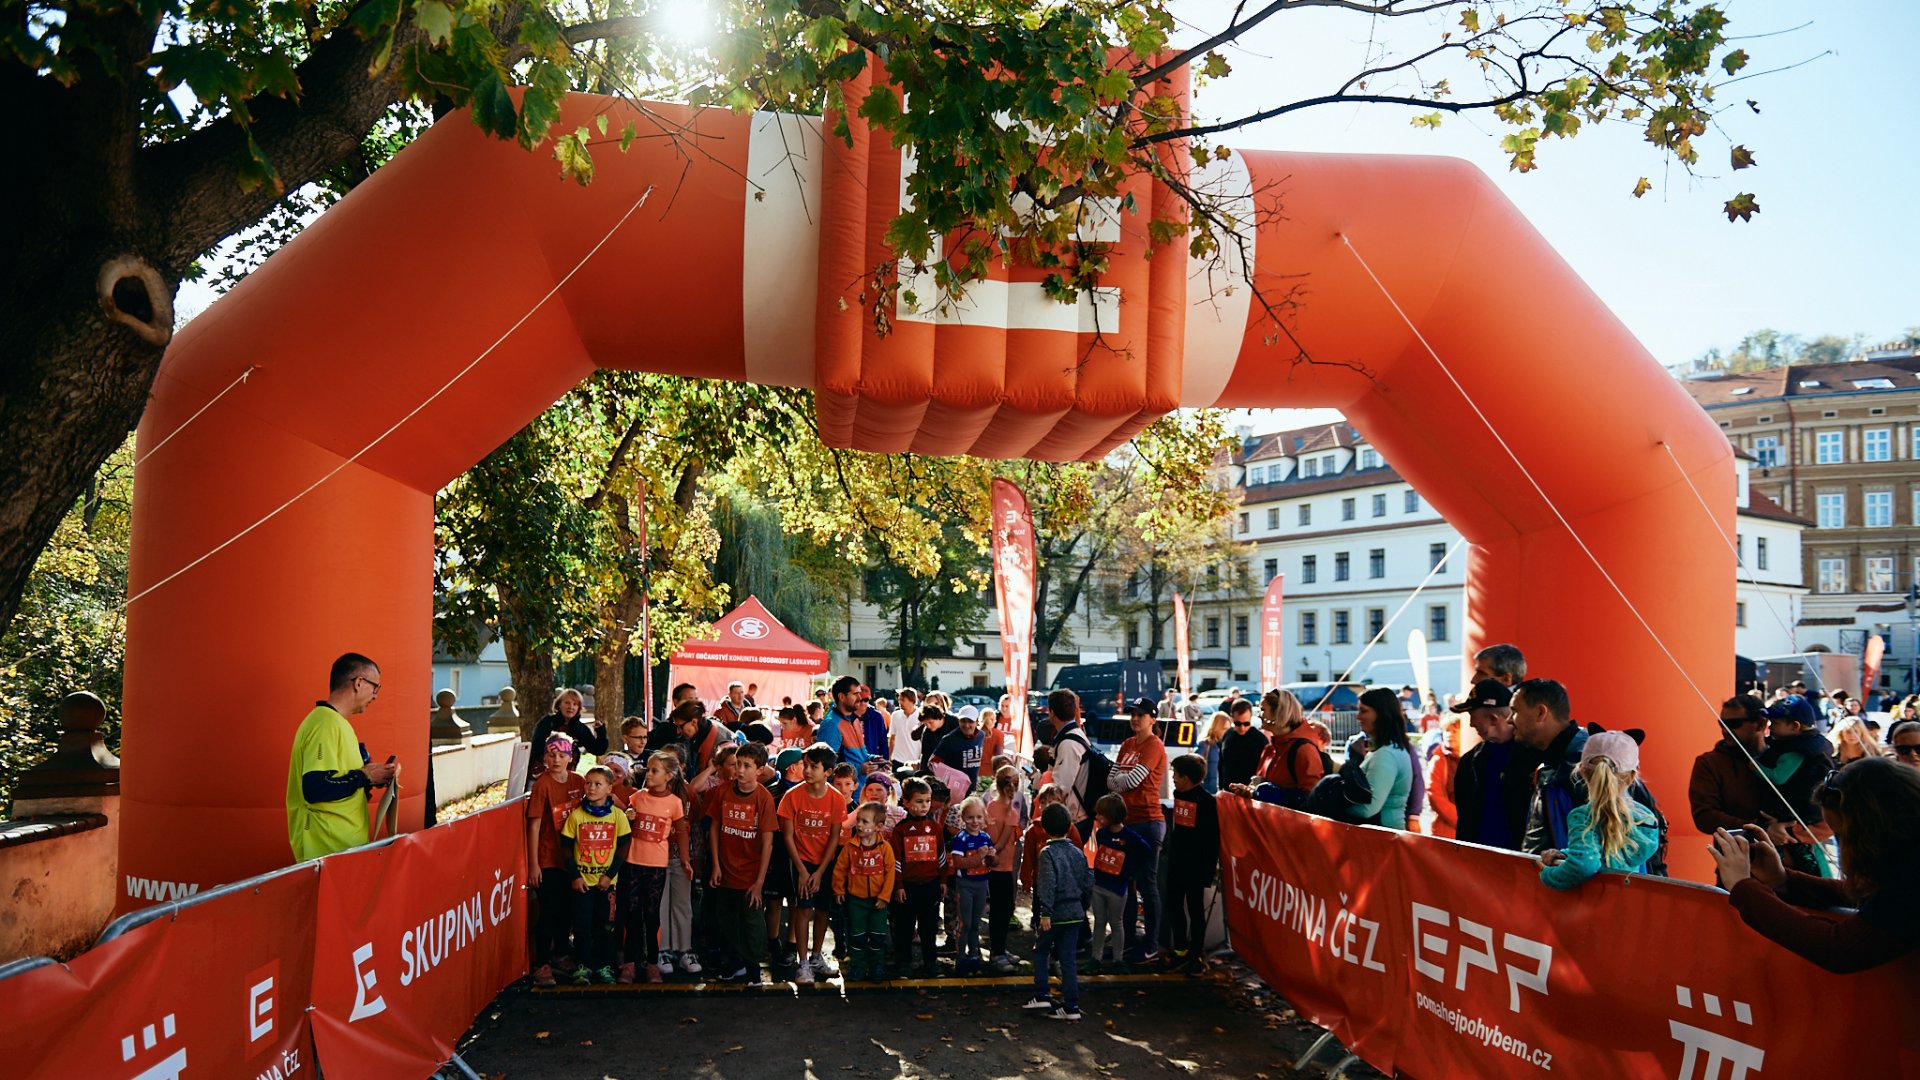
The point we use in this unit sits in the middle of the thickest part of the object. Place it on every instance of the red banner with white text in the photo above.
(218, 989)
(378, 959)
(1273, 638)
(1432, 959)
(414, 939)
(1013, 587)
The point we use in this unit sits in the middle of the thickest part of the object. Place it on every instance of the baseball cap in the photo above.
(1795, 708)
(1616, 746)
(1145, 706)
(1487, 694)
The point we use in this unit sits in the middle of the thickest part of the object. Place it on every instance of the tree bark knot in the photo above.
(132, 292)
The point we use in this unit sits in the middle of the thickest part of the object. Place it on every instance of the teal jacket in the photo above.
(1583, 848)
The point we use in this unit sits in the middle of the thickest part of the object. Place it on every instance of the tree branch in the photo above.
(1389, 9)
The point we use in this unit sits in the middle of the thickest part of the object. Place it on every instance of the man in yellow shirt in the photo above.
(330, 774)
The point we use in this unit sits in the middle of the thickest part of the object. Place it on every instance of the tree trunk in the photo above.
(610, 660)
(532, 671)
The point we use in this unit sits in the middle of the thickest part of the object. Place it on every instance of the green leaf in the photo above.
(1216, 66)
(1471, 20)
(627, 134)
(600, 122)
(1742, 207)
(492, 108)
(1742, 158)
(1734, 60)
(576, 161)
(435, 19)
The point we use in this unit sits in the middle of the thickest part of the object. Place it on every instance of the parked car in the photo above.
(1326, 697)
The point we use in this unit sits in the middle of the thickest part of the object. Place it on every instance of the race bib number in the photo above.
(1185, 812)
(870, 860)
(922, 849)
(741, 816)
(560, 810)
(1110, 860)
(595, 843)
(653, 830)
(813, 822)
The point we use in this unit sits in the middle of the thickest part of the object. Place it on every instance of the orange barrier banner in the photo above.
(1430, 958)
(413, 939)
(219, 989)
(376, 958)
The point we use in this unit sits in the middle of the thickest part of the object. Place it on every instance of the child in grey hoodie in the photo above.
(1060, 892)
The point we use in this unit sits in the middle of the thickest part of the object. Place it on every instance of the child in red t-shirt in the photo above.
(1036, 836)
(920, 878)
(659, 816)
(743, 818)
(810, 827)
(554, 794)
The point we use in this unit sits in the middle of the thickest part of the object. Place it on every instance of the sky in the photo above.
(1837, 145)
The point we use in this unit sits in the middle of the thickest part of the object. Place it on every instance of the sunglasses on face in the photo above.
(1908, 750)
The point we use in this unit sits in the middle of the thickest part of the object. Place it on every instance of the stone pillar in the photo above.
(507, 716)
(81, 775)
(448, 728)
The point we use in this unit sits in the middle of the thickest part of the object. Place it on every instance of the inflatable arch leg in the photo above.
(366, 395)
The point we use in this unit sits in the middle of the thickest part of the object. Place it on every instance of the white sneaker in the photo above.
(1039, 1003)
(805, 975)
(1064, 1013)
(665, 963)
(689, 963)
(823, 967)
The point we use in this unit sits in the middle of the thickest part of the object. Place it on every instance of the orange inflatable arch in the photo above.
(749, 268)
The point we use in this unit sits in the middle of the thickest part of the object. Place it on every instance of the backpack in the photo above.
(1095, 767)
(1283, 753)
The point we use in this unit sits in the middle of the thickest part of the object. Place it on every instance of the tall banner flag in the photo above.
(1422, 673)
(1180, 650)
(1272, 635)
(646, 623)
(1013, 587)
(1870, 667)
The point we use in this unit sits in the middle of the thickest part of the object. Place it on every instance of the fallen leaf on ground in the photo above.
(541, 1034)
(920, 1016)
(735, 1048)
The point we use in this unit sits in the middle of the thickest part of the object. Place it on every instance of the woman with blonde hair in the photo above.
(1209, 749)
(1853, 740)
(1611, 831)
(567, 719)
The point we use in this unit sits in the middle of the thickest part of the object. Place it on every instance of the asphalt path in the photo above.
(1140, 1026)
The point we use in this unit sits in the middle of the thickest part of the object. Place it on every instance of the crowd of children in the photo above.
(755, 853)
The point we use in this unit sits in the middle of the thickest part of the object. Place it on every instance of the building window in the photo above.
(1369, 459)
(1437, 557)
(1213, 578)
(1740, 614)
(1377, 563)
(1876, 444)
(1830, 447)
(1310, 467)
(1273, 517)
(1766, 450)
(1133, 585)
(1437, 622)
(1340, 566)
(1133, 635)
(1880, 574)
(1306, 513)
(1740, 548)
(1246, 525)
(1915, 508)
(1272, 568)
(1213, 631)
(1379, 506)
(1346, 509)
(1412, 503)
(1760, 552)
(1376, 622)
(1831, 512)
(1240, 630)
(1833, 575)
(1309, 628)
(1914, 453)
(1877, 509)
(1309, 569)
(1326, 465)
(1342, 628)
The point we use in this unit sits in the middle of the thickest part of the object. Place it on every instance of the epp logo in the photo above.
(750, 628)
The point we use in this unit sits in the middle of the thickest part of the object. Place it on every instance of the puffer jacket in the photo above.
(1064, 882)
(1558, 787)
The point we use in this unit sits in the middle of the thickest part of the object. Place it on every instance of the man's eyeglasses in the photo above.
(369, 682)
(1910, 750)
(1243, 723)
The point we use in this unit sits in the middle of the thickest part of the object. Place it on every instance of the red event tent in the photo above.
(752, 646)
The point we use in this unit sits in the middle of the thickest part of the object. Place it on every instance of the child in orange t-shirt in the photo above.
(1005, 820)
(743, 817)
(863, 878)
(810, 815)
(555, 792)
(659, 816)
